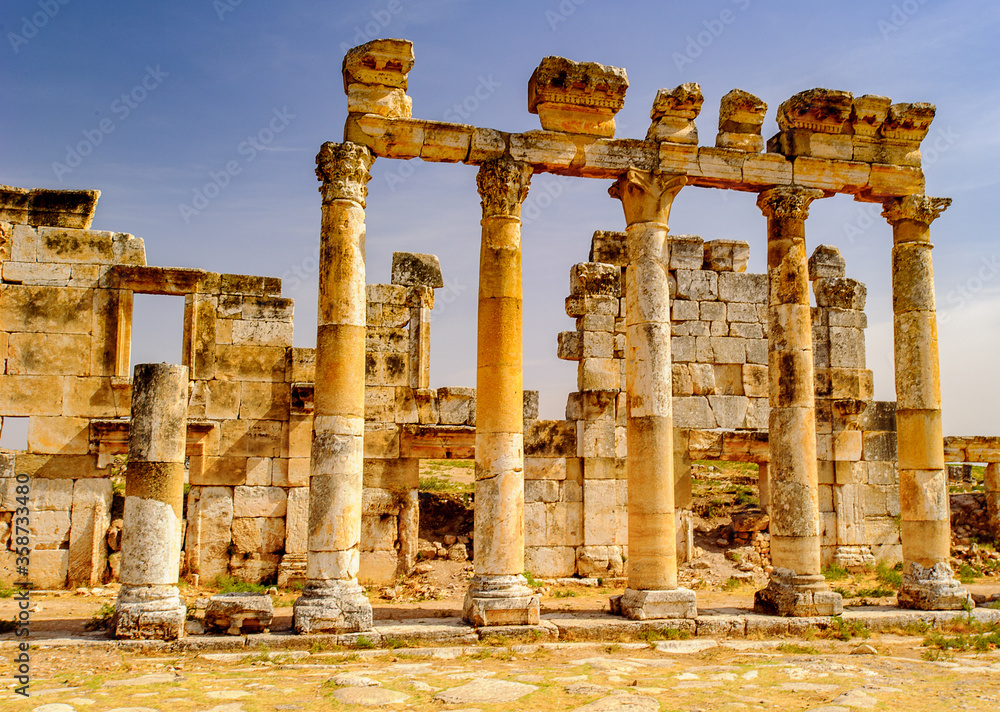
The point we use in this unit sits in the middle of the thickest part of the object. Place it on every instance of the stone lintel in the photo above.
(606, 158)
(652, 605)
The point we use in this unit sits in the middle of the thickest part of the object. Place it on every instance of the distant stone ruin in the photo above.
(302, 464)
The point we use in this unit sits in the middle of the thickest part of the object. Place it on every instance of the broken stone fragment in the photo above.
(577, 97)
(415, 269)
(826, 261)
(822, 110)
(239, 613)
(673, 115)
(384, 62)
(741, 115)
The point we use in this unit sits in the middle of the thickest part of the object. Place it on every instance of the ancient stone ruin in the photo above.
(303, 463)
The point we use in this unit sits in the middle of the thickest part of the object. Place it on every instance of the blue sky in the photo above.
(231, 100)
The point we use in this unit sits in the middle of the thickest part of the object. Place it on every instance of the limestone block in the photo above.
(549, 148)
(598, 374)
(297, 521)
(24, 244)
(599, 561)
(683, 384)
(58, 467)
(743, 287)
(90, 518)
(300, 436)
(49, 529)
(550, 561)
(703, 378)
(455, 405)
(880, 446)
(218, 471)
(728, 349)
(758, 413)
(209, 531)
(826, 262)
(48, 495)
(721, 166)
(411, 268)
(683, 348)
(729, 411)
(258, 535)
(254, 567)
(378, 567)
(824, 446)
(581, 305)
(746, 331)
(847, 347)
(264, 401)
(258, 472)
(262, 333)
(550, 439)
(378, 532)
(693, 412)
(301, 366)
(595, 279)
(48, 568)
(738, 312)
(390, 102)
(685, 310)
(446, 142)
(382, 441)
(840, 292)
(428, 410)
(251, 363)
(31, 395)
(697, 285)
(43, 309)
(36, 273)
(726, 256)
(571, 491)
(541, 490)
(259, 501)
(379, 501)
(888, 180)
(598, 344)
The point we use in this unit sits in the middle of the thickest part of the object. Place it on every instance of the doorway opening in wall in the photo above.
(14, 433)
(730, 528)
(446, 515)
(157, 330)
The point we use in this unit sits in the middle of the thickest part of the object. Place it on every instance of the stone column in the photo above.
(923, 481)
(149, 604)
(652, 590)
(332, 601)
(797, 588)
(498, 594)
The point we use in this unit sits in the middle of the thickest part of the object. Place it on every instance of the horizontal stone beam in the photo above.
(607, 158)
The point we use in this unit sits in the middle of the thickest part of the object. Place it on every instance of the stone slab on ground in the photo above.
(485, 691)
(428, 630)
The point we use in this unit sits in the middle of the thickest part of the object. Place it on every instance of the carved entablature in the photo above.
(673, 114)
(741, 115)
(383, 62)
(867, 114)
(787, 202)
(503, 185)
(908, 122)
(344, 170)
(577, 97)
(918, 208)
(822, 110)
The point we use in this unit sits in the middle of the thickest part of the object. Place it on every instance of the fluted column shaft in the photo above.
(925, 525)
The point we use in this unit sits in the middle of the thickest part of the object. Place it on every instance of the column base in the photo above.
(931, 589)
(149, 613)
(332, 607)
(854, 558)
(659, 604)
(789, 594)
(500, 600)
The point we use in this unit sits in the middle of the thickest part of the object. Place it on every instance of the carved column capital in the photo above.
(503, 186)
(787, 202)
(344, 170)
(647, 195)
(919, 208)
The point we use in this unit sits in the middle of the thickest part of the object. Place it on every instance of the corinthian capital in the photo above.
(647, 195)
(343, 168)
(919, 208)
(503, 186)
(787, 202)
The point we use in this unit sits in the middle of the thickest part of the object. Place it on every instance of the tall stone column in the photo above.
(498, 594)
(332, 601)
(923, 481)
(652, 590)
(149, 604)
(797, 587)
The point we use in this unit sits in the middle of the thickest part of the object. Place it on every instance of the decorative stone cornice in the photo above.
(919, 208)
(647, 195)
(344, 170)
(673, 115)
(787, 202)
(503, 186)
(379, 62)
(562, 81)
(822, 110)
